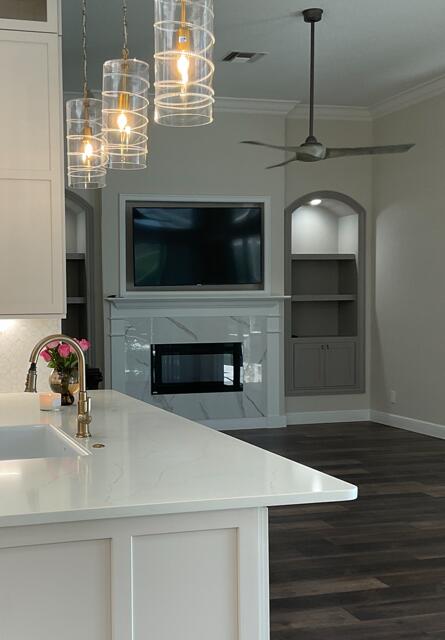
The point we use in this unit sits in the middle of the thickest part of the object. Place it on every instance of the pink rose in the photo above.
(84, 344)
(45, 355)
(52, 345)
(63, 350)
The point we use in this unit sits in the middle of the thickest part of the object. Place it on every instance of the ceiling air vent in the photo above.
(243, 56)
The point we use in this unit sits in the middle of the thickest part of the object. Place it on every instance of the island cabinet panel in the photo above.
(193, 576)
(50, 591)
(32, 243)
(190, 579)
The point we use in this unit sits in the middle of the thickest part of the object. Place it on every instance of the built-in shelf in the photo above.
(324, 316)
(323, 256)
(322, 297)
(76, 300)
(75, 256)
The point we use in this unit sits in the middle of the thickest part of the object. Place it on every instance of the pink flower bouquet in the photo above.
(61, 356)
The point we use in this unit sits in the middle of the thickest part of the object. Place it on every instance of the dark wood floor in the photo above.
(370, 569)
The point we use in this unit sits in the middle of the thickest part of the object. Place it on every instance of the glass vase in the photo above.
(66, 383)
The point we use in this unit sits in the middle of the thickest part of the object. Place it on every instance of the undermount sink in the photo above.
(37, 441)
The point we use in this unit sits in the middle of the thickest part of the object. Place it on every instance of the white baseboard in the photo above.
(231, 424)
(410, 424)
(328, 417)
(320, 417)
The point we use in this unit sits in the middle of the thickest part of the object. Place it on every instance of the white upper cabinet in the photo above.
(32, 280)
(30, 15)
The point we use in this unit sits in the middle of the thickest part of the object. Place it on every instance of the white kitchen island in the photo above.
(162, 534)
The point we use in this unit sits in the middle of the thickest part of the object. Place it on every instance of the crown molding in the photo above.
(255, 105)
(410, 97)
(332, 112)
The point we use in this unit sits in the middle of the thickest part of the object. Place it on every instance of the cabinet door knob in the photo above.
(322, 346)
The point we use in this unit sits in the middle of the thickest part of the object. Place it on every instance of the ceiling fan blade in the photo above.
(367, 151)
(282, 164)
(269, 146)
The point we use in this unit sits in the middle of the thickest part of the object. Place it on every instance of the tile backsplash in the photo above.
(17, 338)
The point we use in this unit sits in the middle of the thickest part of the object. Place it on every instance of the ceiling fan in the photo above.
(311, 150)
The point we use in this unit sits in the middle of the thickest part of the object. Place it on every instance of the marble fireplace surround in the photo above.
(255, 320)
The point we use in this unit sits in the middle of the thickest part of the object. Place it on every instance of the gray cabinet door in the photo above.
(340, 364)
(308, 365)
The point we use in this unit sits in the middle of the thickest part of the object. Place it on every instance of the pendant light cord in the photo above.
(125, 29)
(84, 49)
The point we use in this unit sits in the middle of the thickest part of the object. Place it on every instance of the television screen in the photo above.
(199, 245)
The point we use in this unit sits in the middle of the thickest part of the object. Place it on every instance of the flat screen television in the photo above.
(194, 245)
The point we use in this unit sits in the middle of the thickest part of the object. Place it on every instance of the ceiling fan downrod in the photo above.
(311, 16)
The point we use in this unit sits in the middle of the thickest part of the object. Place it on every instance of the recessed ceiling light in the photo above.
(315, 202)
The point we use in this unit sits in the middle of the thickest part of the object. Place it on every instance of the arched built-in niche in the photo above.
(325, 279)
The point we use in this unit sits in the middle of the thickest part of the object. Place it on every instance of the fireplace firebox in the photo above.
(196, 368)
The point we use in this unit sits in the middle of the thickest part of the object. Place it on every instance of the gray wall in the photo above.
(409, 319)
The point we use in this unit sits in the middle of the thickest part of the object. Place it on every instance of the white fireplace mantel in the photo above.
(187, 304)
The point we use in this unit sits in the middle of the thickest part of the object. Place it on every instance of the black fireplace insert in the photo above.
(196, 368)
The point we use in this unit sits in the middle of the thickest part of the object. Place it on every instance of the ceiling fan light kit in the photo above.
(311, 150)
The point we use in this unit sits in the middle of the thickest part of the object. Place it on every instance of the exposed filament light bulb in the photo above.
(87, 151)
(183, 66)
(122, 121)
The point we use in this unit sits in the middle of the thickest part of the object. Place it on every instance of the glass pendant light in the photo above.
(86, 157)
(184, 69)
(125, 108)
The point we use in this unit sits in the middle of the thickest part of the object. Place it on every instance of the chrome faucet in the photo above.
(84, 403)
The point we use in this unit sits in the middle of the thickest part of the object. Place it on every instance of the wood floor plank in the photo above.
(319, 587)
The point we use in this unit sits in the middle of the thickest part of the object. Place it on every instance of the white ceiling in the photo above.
(367, 50)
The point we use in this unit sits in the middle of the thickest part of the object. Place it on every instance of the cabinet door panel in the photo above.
(31, 177)
(26, 248)
(24, 115)
(340, 366)
(191, 577)
(308, 365)
(56, 591)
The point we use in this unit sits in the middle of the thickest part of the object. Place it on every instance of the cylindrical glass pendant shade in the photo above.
(86, 157)
(184, 69)
(125, 113)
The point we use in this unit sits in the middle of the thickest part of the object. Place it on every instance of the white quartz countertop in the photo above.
(153, 462)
